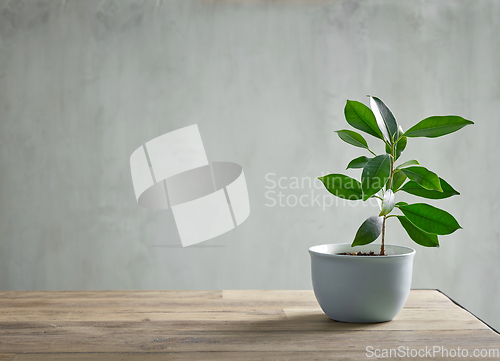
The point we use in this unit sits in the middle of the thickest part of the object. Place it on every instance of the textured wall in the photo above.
(83, 83)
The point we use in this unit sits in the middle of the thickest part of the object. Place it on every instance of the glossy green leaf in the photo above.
(361, 117)
(375, 175)
(408, 163)
(399, 204)
(417, 235)
(437, 126)
(368, 232)
(353, 138)
(359, 162)
(398, 178)
(342, 186)
(417, 190)
(400, 146)
(379, 108)
(429, 218)
(424, 177)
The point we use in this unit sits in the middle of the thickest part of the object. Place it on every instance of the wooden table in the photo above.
(221, 325)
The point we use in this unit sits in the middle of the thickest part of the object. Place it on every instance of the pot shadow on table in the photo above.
(300, 322)
(299, 331)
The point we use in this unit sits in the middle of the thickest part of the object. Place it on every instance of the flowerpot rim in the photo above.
(316, 250)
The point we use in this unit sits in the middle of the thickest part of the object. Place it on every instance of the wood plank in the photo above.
(7, 357)
(345, 355)
(408, 319)
(126, 294)
(242, 341)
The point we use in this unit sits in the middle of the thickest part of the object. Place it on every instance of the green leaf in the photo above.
(368, 232)
(342, 186)
(387, 117)
(359, 162)
(399, 204)
(398, 178)
(361, 117)
(424, 177)
(417, 190)
(430, 219)
(417, 235)
(400, 146)
(353, 138)
(437, 126)
(375, 175)
(408, 163)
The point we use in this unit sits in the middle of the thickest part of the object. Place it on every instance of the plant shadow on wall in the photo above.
(372, 283)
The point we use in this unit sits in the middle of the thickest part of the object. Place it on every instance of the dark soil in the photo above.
(360, 253)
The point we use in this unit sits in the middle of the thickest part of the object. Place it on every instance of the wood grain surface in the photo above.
(220, 325)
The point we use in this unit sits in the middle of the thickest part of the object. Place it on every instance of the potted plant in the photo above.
(363, 282)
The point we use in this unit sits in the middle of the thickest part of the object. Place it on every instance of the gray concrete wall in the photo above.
(83, 83)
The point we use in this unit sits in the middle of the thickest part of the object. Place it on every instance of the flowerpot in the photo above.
(361, 289)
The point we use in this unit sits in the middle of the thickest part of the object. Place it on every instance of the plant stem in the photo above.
(389, 186)
(382, 248)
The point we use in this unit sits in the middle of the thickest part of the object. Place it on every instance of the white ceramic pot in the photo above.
(362, 289)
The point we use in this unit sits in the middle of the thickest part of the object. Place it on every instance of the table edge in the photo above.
(459, 305)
